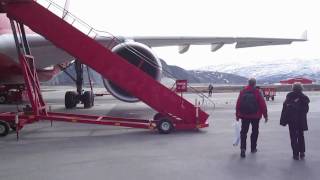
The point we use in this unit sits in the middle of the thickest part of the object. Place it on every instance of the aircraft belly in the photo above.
(45, 55)
(49, 56)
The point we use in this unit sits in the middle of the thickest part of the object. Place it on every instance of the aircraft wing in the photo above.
(48, 55)
(45, 50)
(215, 42)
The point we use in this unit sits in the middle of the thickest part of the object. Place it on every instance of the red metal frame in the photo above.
(32, 85)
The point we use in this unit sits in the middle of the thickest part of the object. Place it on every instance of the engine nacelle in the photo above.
(134, 52)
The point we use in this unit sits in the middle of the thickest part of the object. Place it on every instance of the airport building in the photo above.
(297, 79)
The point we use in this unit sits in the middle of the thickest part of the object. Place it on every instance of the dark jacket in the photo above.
(262, 110)
(295, 109)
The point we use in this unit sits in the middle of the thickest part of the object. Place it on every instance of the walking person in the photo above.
(210, 88)
(294, 113)
(249, 108)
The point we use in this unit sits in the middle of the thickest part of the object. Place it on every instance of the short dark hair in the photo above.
(252, 82)
(297, 87)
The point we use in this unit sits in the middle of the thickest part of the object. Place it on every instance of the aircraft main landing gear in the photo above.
(73, 98)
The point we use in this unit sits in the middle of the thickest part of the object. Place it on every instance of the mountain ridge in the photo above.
(273, 71)
(168, 71)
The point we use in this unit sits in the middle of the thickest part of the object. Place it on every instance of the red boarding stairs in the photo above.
(111, 66)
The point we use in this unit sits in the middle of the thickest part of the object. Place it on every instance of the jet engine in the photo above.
(134, 53)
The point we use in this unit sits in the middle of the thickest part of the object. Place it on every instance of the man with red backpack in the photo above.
(250, 108)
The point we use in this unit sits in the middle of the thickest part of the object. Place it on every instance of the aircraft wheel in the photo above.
(272, 98)
(267, 98)
(3, 98)
(88, 99)
(4, 128)
(70, 99)
(164, 126)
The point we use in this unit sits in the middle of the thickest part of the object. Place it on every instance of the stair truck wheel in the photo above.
(3, 98)
(88, 99)
(70, 99)
(164, 126)
(4, 128)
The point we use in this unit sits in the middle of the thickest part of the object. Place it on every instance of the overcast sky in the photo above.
(241, 18)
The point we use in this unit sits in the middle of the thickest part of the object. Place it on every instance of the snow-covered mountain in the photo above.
(168, 72)
(271, 72)
(195, 76)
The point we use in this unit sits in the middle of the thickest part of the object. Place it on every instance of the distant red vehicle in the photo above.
(12, 93)
(269, 93)
(298, 79)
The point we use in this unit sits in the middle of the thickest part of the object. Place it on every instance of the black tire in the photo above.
(164, 126)
(272, 98)
(4, 128)
(70, 99)
(88, 99)
(3, 98)
(267, 98)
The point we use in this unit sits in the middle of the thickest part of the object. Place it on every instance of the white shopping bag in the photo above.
(237, 129)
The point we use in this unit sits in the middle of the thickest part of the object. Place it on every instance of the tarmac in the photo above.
(82, 151)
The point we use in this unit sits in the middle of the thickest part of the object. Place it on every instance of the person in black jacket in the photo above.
(294, 113)
(210, 88)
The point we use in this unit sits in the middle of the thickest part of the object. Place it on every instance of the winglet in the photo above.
(305, 35)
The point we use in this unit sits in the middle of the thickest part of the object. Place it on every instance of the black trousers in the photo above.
(297, 139)
(254, 134)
